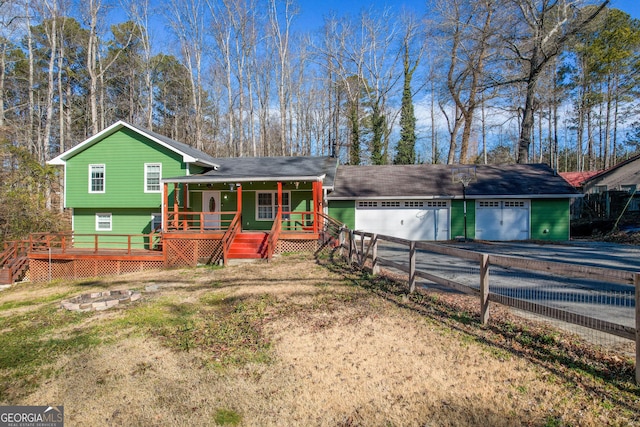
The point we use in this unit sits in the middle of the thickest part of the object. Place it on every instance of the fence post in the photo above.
(636, 284)
(351, 246)
(374, 255)
(412, 266)
(361, 258)
(484, 289)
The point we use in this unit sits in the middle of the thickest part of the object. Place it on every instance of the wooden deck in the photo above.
(105, 254)
(74, 256)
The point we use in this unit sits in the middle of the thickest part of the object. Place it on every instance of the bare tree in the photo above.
(280, 21)
(138, 12)
(542, 29)
(188, 21)
(468, 31)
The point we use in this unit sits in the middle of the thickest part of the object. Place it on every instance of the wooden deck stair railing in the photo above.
(13, 261)
(274, 235)
(229, 237)
(331, 231)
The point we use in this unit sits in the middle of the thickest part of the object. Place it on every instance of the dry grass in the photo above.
(296, 342)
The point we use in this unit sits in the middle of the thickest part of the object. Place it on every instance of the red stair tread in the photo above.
(248, 246)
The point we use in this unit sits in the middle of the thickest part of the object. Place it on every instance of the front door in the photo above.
(211, 205)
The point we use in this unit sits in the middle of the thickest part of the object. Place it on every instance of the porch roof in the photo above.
(247, 169)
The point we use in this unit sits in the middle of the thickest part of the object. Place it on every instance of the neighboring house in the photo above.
(609, 193)
(624, 176)
(422, 202)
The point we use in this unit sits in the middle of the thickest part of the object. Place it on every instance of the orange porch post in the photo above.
(176, 220)
(315, 206)
(165, 206)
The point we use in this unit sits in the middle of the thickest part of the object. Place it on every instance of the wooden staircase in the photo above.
(249, 246)
(13, 262)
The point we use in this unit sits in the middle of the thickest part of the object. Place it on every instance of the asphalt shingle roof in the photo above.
(414, 181)
(268, 169)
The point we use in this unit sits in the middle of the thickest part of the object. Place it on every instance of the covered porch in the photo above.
(210, 219)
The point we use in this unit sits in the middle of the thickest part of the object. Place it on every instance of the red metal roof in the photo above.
(577, 178)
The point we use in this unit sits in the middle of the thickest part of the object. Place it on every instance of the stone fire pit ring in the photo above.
(100, 300)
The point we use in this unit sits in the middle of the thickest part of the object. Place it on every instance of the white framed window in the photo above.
(437, 204)
(152, 175)
(97, 176)
(267, 203)
(367, 204)
(413, 204)
(392, 204)
(489, 204)
(156, 221)
(103, 222)
(630, 188)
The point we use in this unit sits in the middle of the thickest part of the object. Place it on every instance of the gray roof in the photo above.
(435, 181)
(244, 169)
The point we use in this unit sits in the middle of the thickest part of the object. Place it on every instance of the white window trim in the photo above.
(157, 215)
(98, 214)
(274, 203)
(146, 183)
(104, 178)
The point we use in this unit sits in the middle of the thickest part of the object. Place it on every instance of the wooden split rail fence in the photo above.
(363, 247)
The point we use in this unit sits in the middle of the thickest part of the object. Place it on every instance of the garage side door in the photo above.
(406, 219)
(502, 219)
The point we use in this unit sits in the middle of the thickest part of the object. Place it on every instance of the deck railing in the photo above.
(274, 235)
(199, 221)
(13, 250)
(229, 235)
(13, 260)
(64, 242)
(298, 222)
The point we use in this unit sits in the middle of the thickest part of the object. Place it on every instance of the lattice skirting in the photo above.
(41, 270)
(296, 246)
(191, 252)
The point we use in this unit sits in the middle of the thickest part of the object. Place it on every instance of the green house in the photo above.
(127, 183)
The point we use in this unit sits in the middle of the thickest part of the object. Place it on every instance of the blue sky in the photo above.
(312, 12)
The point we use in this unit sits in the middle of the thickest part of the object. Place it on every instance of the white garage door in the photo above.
(502, 219)
(406, 219)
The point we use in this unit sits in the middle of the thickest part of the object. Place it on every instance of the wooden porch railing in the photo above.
(14, 260)
(274, 235)
(228, 237)
(64, 242)
(298, 221)
(199, 221)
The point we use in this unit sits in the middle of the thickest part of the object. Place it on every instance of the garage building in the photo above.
(426, 202)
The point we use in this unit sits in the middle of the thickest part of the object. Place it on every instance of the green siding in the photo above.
(550, 219)
(457, 218)
(343, 211)
(123, 221)
(124, 154)
(301, 200)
